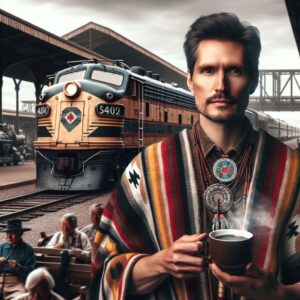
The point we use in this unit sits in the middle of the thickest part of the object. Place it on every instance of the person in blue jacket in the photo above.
(17, 260)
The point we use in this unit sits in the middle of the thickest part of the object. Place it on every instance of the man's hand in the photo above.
(255, 284)
(13, 263)
(183, 259)
(2, 260)
(59, 245)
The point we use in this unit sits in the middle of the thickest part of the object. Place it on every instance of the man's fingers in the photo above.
(193, 248)
(184, 259)
(231, 281)
(253, 271)
(193, 238)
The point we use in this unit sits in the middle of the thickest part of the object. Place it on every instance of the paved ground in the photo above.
(14, 174)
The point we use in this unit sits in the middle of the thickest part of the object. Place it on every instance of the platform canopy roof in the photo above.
(109, 43)
(30, 53)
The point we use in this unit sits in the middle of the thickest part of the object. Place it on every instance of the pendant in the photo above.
(225, 169)
(218, 198)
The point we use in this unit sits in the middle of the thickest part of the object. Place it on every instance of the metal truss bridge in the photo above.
(278, 90)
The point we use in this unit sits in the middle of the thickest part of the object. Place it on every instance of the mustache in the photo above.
(226, 97)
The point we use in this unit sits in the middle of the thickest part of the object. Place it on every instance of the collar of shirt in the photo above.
(7, 246)
(208, 146)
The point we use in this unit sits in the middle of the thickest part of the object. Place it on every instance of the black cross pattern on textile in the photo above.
(292, 230)
(70, 117)
(116, 271)
(134, 177)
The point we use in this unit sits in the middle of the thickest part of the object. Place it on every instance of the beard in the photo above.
(229, 119)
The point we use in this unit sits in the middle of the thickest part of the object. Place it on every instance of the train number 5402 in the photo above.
(112, 111)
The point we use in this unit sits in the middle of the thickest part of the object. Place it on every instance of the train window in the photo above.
(166, 116)
(107, 77)
(147, 109)
(71, 76)
(180, 118)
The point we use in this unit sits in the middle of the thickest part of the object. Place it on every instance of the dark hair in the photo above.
(225, 26)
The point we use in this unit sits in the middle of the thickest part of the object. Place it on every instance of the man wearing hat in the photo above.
(17, 260)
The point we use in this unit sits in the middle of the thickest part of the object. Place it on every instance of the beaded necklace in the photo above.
(219, 196)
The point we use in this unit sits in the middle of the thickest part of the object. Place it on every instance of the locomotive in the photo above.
(9, 145)
(96, 117)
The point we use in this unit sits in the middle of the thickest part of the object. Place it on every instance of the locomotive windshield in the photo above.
(96, 74)
(107, 77)
(71, 76)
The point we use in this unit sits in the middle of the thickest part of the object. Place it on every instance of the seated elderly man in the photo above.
(17, 260)
(39, 285)
(90, 230)
(69, 237)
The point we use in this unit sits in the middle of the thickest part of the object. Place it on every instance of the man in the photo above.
(91, 229)
(69, 237)
(39, 285)
(220, 174)
(17, 260)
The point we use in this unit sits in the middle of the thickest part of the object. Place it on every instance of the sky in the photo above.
(160, 26)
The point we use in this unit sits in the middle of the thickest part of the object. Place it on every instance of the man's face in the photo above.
(220, 82)
(66, 228)
(13, 237)
(96, 215)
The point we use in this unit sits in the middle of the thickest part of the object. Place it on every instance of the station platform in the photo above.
(13, 175)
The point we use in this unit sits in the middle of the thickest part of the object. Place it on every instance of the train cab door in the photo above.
(140, 113)
(166, 128)
(71, 122)
(159, 115)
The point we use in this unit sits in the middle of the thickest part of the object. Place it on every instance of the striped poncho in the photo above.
(158, 201)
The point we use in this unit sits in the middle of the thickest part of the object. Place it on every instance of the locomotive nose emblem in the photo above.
(70, 117)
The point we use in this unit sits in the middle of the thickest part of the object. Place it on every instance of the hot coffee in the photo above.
(231, 249)
(230, 237)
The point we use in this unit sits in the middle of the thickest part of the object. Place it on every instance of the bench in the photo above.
(78, 274)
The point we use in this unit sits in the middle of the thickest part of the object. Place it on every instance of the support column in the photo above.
(17, 89)
(1, 106)
(38, 89)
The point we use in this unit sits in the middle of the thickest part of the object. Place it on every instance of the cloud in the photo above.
(160, 26)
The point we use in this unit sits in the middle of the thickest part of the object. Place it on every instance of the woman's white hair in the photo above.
(38, 275)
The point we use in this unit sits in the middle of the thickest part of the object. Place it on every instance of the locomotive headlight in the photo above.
(72, 89)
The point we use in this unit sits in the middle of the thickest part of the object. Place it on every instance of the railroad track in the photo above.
(32, 205)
